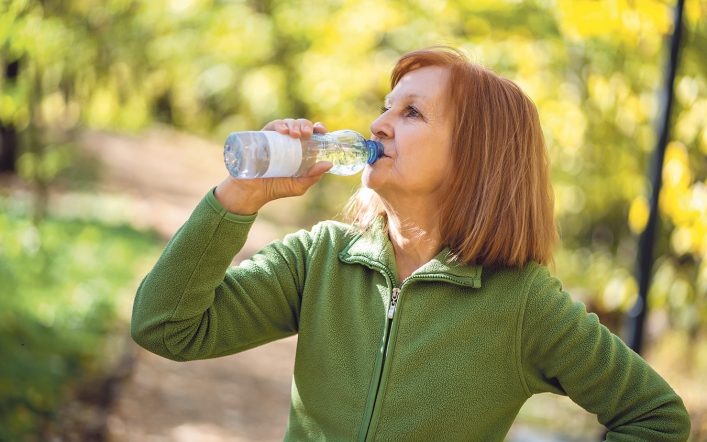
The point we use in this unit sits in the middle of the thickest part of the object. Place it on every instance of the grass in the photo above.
(65, 286)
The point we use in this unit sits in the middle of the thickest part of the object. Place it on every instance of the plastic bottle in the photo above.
(267, 154)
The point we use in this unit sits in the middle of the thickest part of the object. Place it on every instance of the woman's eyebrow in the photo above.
(411, 95)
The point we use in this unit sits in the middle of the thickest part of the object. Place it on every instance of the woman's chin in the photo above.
(371, 178)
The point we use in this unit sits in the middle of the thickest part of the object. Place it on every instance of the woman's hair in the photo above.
(498, 208)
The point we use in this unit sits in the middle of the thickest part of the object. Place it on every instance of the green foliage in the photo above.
(62, 286)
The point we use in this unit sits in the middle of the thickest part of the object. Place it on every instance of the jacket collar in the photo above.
(374, 250)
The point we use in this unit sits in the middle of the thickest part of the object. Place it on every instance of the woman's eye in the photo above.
(411, 112)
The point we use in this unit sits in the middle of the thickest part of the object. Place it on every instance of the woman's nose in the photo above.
(381, 128)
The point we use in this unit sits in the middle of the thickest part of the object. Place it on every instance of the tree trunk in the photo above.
(8, 133)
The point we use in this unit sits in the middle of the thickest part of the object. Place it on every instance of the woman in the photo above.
(435, 318)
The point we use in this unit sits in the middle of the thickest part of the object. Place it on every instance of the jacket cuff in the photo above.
(210, 198)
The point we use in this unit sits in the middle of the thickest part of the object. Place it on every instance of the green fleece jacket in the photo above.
(449, 354)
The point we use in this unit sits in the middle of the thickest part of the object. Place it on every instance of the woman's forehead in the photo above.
(423, 84)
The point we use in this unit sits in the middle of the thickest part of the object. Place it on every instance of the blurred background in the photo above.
(112, 119)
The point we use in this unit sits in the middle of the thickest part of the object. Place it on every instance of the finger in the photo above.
(294, 127)
(319, 169)
(305, 182)
(274, 125)
(305, 127)
(281, 127)
(319, 128)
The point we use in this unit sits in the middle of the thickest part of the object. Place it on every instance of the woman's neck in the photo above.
(414, 232)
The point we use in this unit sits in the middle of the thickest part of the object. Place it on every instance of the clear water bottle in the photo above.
(267, 154)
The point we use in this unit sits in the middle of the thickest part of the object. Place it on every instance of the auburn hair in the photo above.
(499, 202)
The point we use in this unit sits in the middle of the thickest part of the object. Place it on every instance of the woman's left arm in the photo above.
(566, 350)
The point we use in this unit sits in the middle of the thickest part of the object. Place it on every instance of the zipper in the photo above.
(373, 398)
(389, 345)
(394, 297)
(393, 302)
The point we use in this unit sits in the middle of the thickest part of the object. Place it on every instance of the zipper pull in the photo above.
(393, 302)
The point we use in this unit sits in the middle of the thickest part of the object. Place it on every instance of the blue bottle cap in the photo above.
(375, 150)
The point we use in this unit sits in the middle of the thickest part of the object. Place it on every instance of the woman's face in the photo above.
(415, 131)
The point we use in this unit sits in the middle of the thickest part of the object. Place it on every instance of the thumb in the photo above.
(313, 175)
(319, 169)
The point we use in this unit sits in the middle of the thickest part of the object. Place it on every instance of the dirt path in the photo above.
(154, 181)
(243, 397)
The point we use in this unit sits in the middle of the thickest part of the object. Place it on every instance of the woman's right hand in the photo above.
(245, 197)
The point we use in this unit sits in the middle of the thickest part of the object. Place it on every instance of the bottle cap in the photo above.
(375, 150)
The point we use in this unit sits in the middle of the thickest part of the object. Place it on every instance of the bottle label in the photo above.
(285, 155)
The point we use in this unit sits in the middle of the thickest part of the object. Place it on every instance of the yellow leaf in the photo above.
(682, 240)
(676, 168)
(588, 18)
(638, 214)
(703, 141)
(694, 11)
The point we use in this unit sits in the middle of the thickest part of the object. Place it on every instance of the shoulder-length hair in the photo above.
(498, 208)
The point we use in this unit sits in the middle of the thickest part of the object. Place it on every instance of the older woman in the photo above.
(432, 316)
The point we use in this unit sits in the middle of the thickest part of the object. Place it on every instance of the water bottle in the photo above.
(267, 154)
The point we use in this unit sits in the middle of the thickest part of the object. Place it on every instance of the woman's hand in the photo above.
(245, 197)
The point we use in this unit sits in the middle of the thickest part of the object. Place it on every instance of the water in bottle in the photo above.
(268, 154)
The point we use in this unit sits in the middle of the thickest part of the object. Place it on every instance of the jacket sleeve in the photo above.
(565, 350)
(193, 305)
